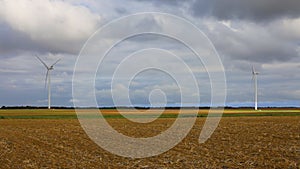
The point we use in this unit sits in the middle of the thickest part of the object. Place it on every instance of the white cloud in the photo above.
(49, 22)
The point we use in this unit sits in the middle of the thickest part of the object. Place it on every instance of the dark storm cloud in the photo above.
(257, 10)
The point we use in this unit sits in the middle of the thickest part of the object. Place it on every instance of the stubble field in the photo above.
(238, 142)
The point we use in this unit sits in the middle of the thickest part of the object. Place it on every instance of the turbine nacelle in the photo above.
(254, 72)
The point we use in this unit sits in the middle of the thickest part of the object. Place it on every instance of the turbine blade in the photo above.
(253, 70)
(46, 78)
(55, 62)
(42, 61)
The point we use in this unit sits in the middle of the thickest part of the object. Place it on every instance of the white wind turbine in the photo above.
(254, 78)
(49, 68)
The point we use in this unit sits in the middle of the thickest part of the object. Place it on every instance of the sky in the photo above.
(260, 33)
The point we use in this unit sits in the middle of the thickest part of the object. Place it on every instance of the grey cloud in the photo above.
(258, 10)
(163, 2)
(12, 42)
(16, 43)
(253, 42)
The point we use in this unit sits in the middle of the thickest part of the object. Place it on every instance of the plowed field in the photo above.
(238, 142)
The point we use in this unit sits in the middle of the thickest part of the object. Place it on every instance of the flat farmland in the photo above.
(113, 113)
(243, 139)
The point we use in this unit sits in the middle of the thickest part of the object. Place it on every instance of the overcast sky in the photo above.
(262, 33)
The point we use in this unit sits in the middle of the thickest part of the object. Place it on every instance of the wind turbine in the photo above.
(254, 78)
(49, 68)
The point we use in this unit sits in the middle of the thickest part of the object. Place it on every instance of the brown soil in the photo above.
(238, 142)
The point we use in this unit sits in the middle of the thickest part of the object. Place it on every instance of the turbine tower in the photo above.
(254, 77)
(49, 68)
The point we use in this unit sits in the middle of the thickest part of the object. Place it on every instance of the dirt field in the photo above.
(238, 142)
